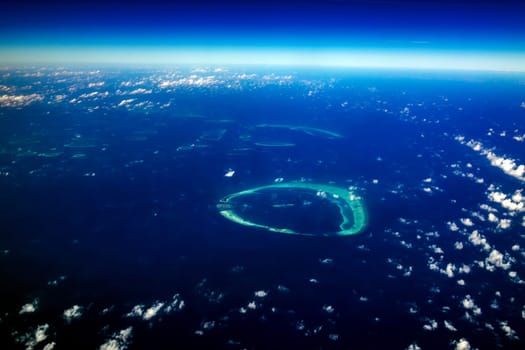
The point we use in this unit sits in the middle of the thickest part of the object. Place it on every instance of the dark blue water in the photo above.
(126, 209)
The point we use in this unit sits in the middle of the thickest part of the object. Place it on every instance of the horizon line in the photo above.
(365, 58)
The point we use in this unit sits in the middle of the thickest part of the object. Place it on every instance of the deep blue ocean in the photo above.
(110, 179)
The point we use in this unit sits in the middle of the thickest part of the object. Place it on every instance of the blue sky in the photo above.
(401, 34)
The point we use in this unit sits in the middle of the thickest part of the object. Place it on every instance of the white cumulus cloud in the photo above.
(118, 341)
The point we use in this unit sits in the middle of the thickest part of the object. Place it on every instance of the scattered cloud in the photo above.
(73, 313)
(452, 226)
(413, 346)
(140, 91)
(261, 294)
(448, 325)
(192, 80)
(515, 202)
(125, 103)
(467, 222)
(431, 325)
(166, 307)
(96, 84)
(462, 344)
(19, 100)
(152, 311)
(35, 337)
(118, 341)
(478, 240)
(50, 346)
(509, 332)
(469, 304)
(29, 307)
(508, 165)
(497, 259)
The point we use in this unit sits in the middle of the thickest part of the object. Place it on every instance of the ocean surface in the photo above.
(111, 238)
